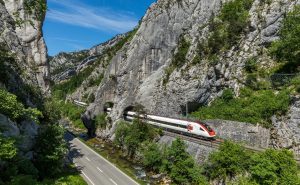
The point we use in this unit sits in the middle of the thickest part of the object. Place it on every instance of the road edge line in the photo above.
(107, 161)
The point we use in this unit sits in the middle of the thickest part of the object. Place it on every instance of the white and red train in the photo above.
(198, 129)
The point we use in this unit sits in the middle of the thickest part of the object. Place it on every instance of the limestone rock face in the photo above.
(8, 127)
(286, 131)
(21, 32)
(136, 72)
(65, 65)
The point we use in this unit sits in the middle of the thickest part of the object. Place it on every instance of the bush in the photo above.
(252, 107)
(100, 121)
(179, 58)
(226, 29)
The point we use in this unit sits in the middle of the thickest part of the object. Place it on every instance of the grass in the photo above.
(71, 176)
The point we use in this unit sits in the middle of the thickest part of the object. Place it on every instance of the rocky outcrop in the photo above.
(21, 33)
(286, 131)
(65, 65)
(136, 72)
(245, 133)
(199, 152)
(25, 132)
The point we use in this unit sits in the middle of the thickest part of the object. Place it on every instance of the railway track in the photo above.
(214, 143)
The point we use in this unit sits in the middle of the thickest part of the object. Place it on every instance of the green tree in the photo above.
(230, 160)
(181, 166)
(50, 150)
(121, 132)
(152, 156)
(274, 167)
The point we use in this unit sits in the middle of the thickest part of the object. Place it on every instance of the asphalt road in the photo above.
(94, 168)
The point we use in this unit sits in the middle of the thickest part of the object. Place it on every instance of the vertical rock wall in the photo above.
(22, 33)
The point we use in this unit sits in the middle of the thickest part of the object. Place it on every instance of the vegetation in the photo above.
(179, 58)
(180, 165)
(72, 84)
(251, 106)
(36, 7)
(286, 49)
(272, 167)
(131, 136)
(11, 107)
(51, 150)
(96, 81)
(100, 121)
(226, 29)
(229, 161)
(72, 112)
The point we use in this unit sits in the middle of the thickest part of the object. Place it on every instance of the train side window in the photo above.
(201, 129)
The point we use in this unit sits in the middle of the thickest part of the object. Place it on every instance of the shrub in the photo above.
(226, 29)
(101, 121)
(179, 58)
(252, 106)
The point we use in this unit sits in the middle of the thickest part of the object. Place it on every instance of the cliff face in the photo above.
(24, 66)
(140, 66)
(65, 65)
(21, 33)
(140, 71)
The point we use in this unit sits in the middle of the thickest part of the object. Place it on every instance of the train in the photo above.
(187, 127)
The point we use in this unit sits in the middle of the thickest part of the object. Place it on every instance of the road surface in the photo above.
(94, 168)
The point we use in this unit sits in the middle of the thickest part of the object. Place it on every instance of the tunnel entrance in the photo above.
(108, 105)
(190, 107)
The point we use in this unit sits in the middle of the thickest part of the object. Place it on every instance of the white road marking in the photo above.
(113, 181)
(83, 144)
(87, 178)
(87, 159)
(99, 169)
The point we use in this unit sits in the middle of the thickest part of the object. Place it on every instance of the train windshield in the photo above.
(207, 127)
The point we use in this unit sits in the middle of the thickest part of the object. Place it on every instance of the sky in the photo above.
(73, 25)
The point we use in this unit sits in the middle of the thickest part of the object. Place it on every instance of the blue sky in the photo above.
(73, 25)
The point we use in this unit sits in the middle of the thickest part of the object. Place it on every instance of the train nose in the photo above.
(212, 133)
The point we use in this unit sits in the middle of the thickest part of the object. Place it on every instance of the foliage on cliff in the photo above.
(272, 167)
(11, 107)
(251, 106)
(287, 48)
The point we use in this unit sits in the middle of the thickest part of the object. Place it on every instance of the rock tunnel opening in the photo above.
(190, 107)
(108, 105)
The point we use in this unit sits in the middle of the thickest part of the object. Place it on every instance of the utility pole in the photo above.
(186, 108)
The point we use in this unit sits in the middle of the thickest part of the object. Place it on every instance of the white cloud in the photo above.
(74, 13)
